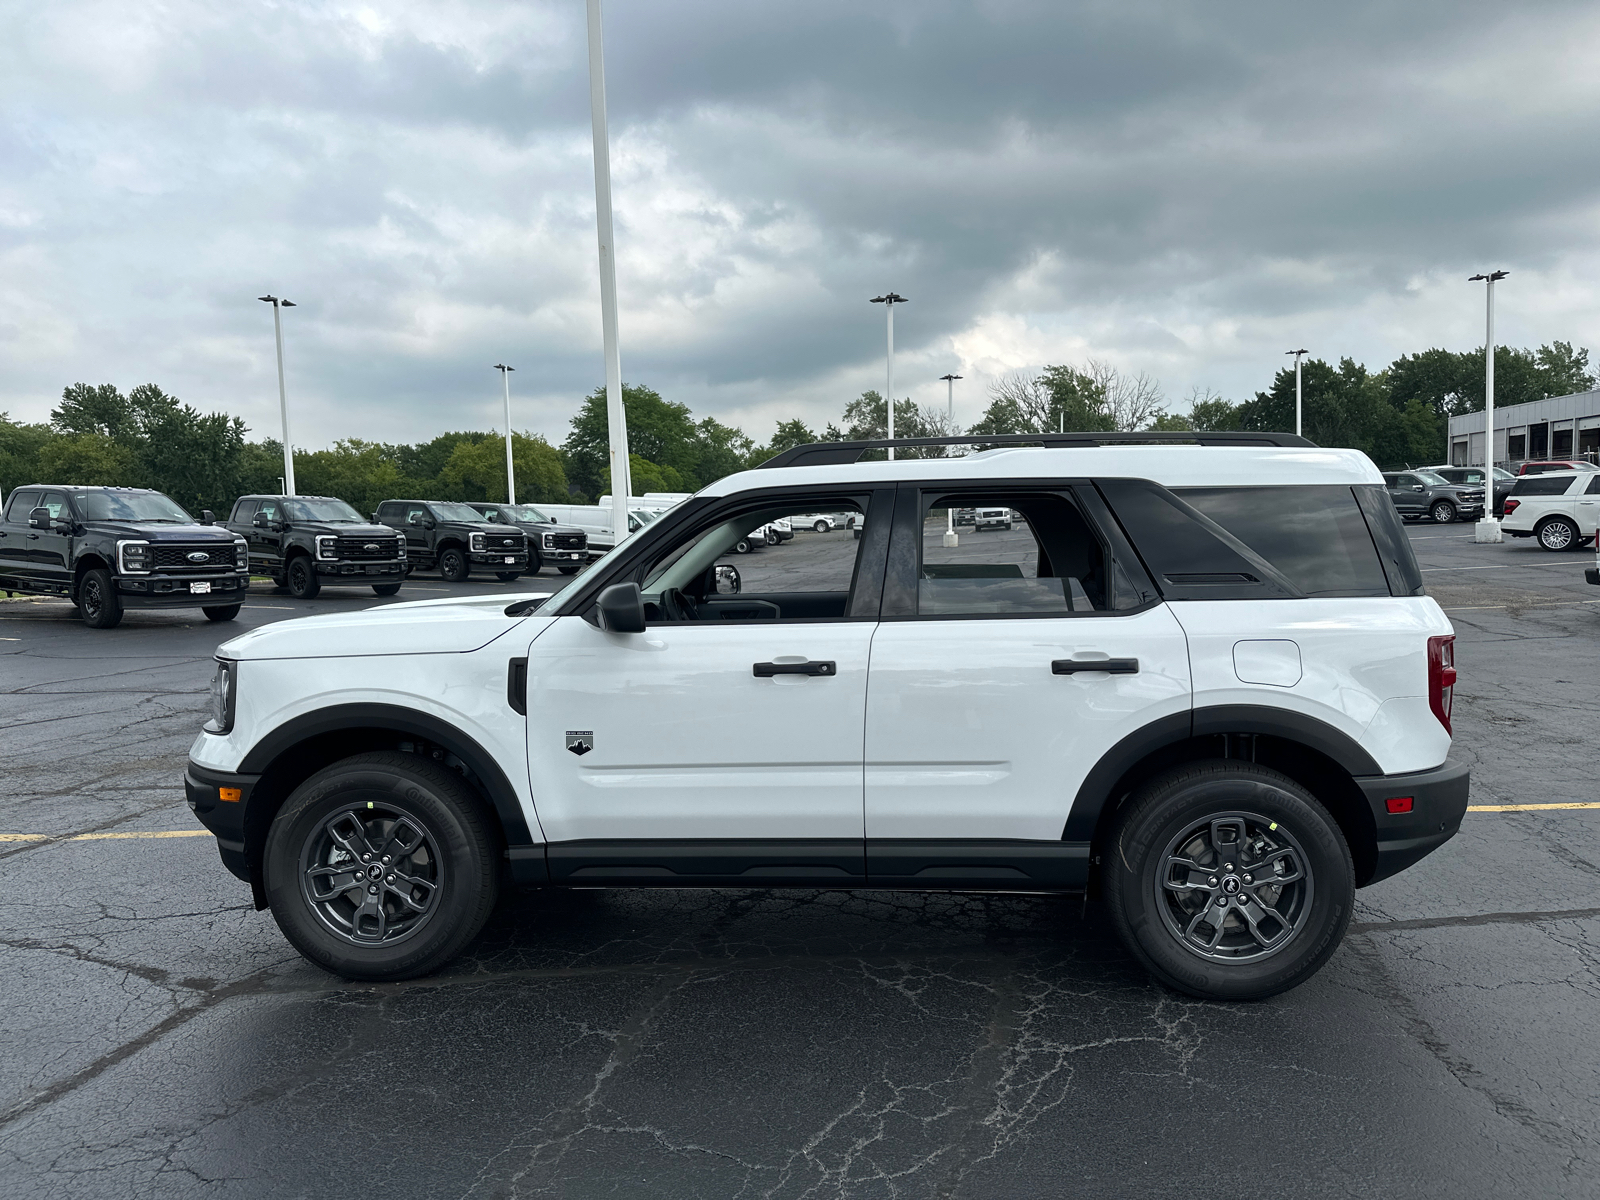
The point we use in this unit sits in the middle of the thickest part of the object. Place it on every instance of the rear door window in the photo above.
(1594, 487)
(1542, 485)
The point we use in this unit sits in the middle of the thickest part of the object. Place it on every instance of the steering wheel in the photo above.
(678, 606)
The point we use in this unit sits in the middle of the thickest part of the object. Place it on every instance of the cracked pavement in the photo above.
(161, 1038)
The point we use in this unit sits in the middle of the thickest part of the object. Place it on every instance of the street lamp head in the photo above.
(1491, 277)
(286, 303)
(1297, 351)
(269, 298)
(947, 378)
(889, 298)
(503, 367)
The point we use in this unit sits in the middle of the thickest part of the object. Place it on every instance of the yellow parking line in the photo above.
(103, 837)
(1529, 807)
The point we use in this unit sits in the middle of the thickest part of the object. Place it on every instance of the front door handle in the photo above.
(33, 537)
(1111, 666)
(768, 670)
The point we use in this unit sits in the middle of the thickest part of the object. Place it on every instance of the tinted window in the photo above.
(1315, 535)
(244, 510)
(457, 512)
(56, 503)
(269, 510)
(1542, 485)
(1594, 487)
(144, 507)
(321, 509)
(389, 510)
(22, 503)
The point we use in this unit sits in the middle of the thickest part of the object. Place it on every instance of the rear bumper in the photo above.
(1438, 802)
(203, 787)
(173, 591)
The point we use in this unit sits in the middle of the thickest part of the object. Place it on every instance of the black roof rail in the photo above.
(819, 454)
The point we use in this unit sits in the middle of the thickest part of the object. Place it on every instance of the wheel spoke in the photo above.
(397, 845)
(402, 888)
(1255, 914)
(371, 908)
(1227, 839)
(1266, 872)
(340, 880)
(350, 836)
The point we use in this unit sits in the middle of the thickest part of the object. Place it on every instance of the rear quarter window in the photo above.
(1542, 485)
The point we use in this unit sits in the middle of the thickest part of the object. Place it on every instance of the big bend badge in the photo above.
(580, 741)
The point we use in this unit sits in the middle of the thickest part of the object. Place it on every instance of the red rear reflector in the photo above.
(231, 795)
(1441, 677)
(1398, 804)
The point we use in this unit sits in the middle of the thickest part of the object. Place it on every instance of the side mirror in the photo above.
(39, 518)
(1417, 487)
(259, 520)
(621, 608)
(207, 517)
(726, 578)
(61, 525)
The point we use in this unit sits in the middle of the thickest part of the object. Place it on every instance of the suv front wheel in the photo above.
(1228, 881)
(382, 866)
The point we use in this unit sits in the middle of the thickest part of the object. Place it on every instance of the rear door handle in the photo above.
(1111, 666)
(768, 670)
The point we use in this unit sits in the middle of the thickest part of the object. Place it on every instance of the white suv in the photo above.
(1561, 509)
(1208, 688)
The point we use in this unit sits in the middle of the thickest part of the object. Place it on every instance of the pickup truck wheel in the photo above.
(1228, 881)
(535, 562)
(573, 570)
(98, 600)
(302, 577)
(221, 612)
(382, 866)
(1557, 533)
(1443, 512)
(453, 566)
(506, 576)
(385, 589)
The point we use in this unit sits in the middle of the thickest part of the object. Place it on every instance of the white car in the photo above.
(1209, 688)
(1561, 508)
(991, 518)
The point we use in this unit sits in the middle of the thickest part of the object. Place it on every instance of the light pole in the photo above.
(1488, 529)
(616, 415)
(511, 478)
(950, 536)
(283, 400)
(889, 300)
(1298, 355)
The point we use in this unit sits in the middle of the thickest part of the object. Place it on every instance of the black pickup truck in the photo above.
(454, 538)
(565, 547)
(305, 542)
(109, 549)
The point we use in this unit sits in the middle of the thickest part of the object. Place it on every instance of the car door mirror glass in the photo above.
(39, 518)
(260, 520)
(621, 608)
(725, 577)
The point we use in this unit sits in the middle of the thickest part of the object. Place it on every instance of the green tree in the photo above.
(20, 445)
(88, 458)
(477, 471)
(787, 436)
(647, 476)
(1171, 422)
(658, 430)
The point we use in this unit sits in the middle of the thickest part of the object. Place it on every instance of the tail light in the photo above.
(1510, 505)
(1442, 677)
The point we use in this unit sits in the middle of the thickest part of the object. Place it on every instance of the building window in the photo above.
(1517, 444)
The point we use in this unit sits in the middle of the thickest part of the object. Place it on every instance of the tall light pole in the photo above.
(889, 300)
(511, 478)
(1488, 529)
(950, 536)
(283, 400)
(1298, 355)
(616, 415)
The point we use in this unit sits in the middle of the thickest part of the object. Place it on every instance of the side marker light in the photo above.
(230, 795)
(1398, 804)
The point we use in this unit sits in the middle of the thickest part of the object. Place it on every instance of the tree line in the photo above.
(148, 438)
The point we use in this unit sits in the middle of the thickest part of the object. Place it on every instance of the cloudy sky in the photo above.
(1187, 189)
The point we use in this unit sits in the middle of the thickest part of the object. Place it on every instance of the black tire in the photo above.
(1204, 805)
(385, 589)
(1442, 512)
(535, 562)
(453, 565)
(1558, 534)
(742, 546)
(452, 857)
(98, 600)
(506, 576)
(221, 612)
(302, 576)
(572, 570)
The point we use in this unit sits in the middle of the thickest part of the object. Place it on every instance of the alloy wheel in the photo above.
(91, 600)
(1556, 535)
(1444, 512)
(372, 873)
(1236, 887)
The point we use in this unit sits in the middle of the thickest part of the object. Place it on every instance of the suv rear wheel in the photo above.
(1228, 881)
(301, 576)
(1443, 512)
(98, 600)
(1557, 533)
(453, 565)
(382, 866)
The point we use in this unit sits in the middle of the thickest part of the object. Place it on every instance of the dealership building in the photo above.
(1555, 427)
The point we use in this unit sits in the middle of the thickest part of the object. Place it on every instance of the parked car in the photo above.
(1545, 466)
(1418, 494)
(596, 522)
(817, 522)
(991, 518)
(1473, 477)
(1222, 732)
(1560, 510)
(110, 549)
(304, 542)
(965, 516)
(565, 547)
(453, 538)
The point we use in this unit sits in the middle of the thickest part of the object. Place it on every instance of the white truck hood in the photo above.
(458, 625)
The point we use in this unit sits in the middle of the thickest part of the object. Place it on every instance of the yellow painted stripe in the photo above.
(1529, 807)
(103, 837)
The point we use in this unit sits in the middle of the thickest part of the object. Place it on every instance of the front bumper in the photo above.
(393, 569)
(1438, 802)
(177, 591)
(499, 560)
(204, 787)
(553, 555)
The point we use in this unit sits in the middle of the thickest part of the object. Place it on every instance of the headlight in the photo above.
(223, 689)
(241, 554)
(325, 547)
(400, 548)
(549, 541)
(477, 542)
(134, 558)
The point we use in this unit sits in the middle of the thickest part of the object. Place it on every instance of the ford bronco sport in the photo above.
(1202, 682)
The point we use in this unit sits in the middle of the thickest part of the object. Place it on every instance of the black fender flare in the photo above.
(1095, 791)
(420, 725)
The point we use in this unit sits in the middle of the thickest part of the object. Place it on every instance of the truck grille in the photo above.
(502, 541)
(176, 558)
(565, 541)
(358, 549)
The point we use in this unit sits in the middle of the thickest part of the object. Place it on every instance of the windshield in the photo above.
(527, 512)
(332, 511)
(458, 512)
(147, 507)
(1502, 473)
(1429, 477)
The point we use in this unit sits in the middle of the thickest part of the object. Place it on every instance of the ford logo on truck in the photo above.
(198, 556)
(371, 546)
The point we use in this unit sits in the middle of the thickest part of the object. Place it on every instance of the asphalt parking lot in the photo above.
(162, 1039)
